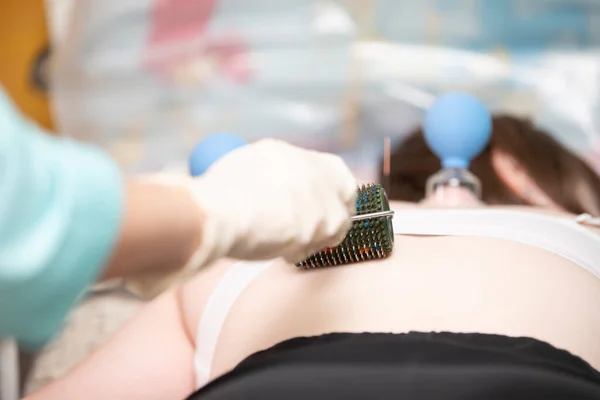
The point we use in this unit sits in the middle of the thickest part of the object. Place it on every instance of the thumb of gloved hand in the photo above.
(271, 199)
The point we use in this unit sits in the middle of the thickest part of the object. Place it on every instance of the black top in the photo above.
(408, 366)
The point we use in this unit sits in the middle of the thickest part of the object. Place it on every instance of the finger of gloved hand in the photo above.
(349, 191)
(302, 253)
(298, 252)
(315, 221)
(262, 199)
(340, 178)
(340, 205)
(343, 177)
(337, 238)
(330, 215)
(336, 219)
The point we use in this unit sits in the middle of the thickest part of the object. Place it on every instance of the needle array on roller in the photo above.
(371, 236)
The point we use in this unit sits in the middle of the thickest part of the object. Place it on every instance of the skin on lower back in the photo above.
(457, 284)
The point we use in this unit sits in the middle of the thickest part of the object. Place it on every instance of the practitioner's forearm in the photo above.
(161, 229)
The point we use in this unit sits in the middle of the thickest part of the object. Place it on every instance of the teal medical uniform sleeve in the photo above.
(61, 205)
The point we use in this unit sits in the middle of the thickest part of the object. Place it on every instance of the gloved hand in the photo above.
(271, 199)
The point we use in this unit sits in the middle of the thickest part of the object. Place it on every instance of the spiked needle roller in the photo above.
(371, 236)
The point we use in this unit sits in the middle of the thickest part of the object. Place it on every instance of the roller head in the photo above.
(457, 128)
(212, 148)
(367, 239)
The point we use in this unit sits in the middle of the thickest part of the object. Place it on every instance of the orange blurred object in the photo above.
(23, 57)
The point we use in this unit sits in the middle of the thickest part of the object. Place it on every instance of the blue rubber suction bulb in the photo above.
(212, 148)
(457, 128)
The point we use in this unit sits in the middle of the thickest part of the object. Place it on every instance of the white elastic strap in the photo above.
(9, 370)
(224, 295)
(559, 235)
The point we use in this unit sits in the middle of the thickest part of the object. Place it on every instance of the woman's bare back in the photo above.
(458, 284)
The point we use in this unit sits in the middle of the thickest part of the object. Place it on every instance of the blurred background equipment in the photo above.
(24, 54)
(147, 79)
(457, 127)
(210, 149)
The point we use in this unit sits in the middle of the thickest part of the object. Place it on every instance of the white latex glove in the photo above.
(271, 199)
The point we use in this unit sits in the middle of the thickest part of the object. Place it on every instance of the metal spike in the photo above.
(343, 254)
(320, 260)
(331, 258)
(335, 256)
(378, 249)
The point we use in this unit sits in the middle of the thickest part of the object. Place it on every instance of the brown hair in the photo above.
(564, 177)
